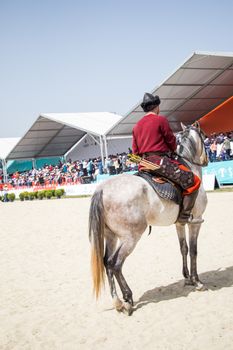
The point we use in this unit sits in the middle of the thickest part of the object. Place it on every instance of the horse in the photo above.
(121, 209)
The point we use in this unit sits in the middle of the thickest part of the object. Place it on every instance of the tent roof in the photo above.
(54, 134)
(6, 145)
(200, 84)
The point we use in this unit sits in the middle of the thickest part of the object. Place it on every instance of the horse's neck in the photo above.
(196, 169)
(186, 155)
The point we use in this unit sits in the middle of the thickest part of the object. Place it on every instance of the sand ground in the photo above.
(46, 297)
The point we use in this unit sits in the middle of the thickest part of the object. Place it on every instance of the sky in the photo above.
(93, 56)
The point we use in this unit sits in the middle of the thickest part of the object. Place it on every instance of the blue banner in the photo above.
(223, 171)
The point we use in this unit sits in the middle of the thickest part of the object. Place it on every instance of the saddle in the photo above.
(163, 187)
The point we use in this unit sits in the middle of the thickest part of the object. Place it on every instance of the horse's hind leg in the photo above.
(110, 247)
(193, 235)
(117, 261)
(180, 229)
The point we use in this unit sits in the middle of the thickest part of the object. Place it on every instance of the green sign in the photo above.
(223, 171)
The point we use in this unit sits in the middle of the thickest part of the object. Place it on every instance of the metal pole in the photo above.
(106, 151)
(101, 150)
(33, 163)
(105, 146)
(93, 137)
(4, 168)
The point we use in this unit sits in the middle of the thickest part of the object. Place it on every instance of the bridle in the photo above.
(185, 133)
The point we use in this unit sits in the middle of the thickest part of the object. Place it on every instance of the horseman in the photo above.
(154, 141)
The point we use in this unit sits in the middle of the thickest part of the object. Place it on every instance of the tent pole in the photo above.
(33, 163)
(4, 168)
(101, 150)
(94, 138)
(106, 152)
(105, 146)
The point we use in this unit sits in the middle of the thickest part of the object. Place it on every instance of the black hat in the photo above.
(150, 101)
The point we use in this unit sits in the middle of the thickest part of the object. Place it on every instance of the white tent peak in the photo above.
(6, 145)
(97, 123)
(54, 134)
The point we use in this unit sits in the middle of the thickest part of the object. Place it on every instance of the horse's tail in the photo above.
(96, 236)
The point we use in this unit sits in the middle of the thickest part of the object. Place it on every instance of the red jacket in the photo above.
(152, 133)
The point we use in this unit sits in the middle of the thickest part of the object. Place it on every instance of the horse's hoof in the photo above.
(200, 287)
(127, 308)
(124, 307)
(118, 304)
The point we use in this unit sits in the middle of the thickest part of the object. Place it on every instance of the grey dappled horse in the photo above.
(122, 208)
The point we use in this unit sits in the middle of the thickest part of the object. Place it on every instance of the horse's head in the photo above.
(191, 144)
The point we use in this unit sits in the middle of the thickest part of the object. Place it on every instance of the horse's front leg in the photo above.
(193, 235)
(180, 229)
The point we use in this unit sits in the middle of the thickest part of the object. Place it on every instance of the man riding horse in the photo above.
(154, 141)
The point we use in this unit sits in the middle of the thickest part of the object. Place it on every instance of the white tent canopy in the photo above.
(55, 134)
(200, 84)
(6, 145)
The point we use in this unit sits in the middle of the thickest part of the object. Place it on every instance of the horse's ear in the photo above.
(197, 125)
(183, 126)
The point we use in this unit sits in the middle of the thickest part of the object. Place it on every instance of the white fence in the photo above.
(209, 183)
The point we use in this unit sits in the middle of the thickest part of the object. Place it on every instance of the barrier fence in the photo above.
(223, 171)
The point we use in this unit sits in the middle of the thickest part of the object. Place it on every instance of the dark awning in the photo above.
(201, 83)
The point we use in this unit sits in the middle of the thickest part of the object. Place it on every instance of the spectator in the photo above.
(90, 168)
(213, 149)
(100, 166)
(208, 149)
(226, 148)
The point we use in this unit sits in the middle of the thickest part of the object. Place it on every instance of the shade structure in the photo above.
(220, 119)
(54, 134)
(6, 146)
(201, 83)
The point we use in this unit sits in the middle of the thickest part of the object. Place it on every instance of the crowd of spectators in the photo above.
(219, 148)
(71, 172)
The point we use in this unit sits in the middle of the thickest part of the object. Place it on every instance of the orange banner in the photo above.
(219, 119)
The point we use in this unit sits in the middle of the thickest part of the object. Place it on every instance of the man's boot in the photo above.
(185, 216)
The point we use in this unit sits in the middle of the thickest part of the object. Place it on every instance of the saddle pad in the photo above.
(164, 190)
